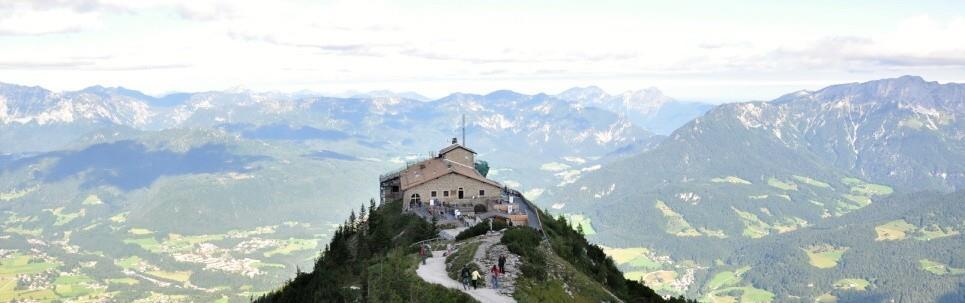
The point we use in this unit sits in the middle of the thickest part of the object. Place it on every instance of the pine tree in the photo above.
(362, 213)
(351, 220)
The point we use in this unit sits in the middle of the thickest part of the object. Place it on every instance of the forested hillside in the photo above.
(705, 212)
(371, 258)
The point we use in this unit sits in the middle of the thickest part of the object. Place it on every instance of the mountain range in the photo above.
(194, 194)
(202, 194)
(755, 172)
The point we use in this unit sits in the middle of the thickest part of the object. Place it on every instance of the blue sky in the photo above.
(695, 50)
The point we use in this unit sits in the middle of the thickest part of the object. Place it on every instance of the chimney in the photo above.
(454, 140)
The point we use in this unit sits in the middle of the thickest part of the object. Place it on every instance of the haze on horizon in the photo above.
(701, 50)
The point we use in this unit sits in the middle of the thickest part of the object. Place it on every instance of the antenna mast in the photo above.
(463, 129)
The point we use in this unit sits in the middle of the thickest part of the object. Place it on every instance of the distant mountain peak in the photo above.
(389, 94)
(503, 93)
(117, 90)
(591, 90)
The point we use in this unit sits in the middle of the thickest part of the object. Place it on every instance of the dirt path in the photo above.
(434, 271)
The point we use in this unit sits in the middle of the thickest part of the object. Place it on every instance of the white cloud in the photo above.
(363, 45)
(24, 20)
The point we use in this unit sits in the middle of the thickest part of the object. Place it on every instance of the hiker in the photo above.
(495, 276)
(423, 252)
(502, 264)
(475, 278)
(464, 277)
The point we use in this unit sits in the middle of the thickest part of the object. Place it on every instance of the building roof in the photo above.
(453, 147)
(435, 168)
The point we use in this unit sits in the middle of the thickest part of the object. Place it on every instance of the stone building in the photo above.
(449, 178)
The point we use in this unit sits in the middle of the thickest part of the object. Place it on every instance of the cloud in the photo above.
(918, 42)
(26, 21)
(44, 65)
(84, 65)
(367, 45)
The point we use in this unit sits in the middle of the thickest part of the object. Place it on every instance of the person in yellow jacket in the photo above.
(475, 278)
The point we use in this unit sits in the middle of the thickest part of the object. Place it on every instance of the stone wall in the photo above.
(452, 183)
(462, 156)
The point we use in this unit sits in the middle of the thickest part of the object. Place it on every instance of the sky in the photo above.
(716, 51)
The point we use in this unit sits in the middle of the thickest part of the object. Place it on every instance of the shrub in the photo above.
(524, 241)
(480, 229)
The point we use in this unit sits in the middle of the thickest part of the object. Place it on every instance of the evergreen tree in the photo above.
(362, 213)
(351, 220)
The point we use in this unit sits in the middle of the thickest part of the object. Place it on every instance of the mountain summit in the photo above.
(649, 107)
(749, 173)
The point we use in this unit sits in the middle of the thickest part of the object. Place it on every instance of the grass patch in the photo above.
(119, 218)
(64, 218)
(17, 194)
(178, 276)
(723, 279)
(123, 281)
(934, 232)
(644, 262)
(939, 268)
(726, 278)
(657, 280)
(788, 224)
(860, 201)
(867, 189)
(160, 297)
(149, 244)
(730, 179)
(17, 264)
(625, 255)
(23, 231)
(676, 224)
(546, 291)
(261, 265)
(811, 181)
(581, 221)
(178, 242)
(139, 231)
(752, 294)
(402, 283)
(824, 255)
(774, 182)
(826, 298)
(292, 245)
(716, 233)
(754, 227)
(131, 262)
(894, 230)
(44, 295)
(579, 287)
(462, 257)
(852, 284)
(72, 286)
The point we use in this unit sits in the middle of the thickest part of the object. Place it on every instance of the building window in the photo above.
(482, 192)
(445, 193)
(395, 189)
(432, 194)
